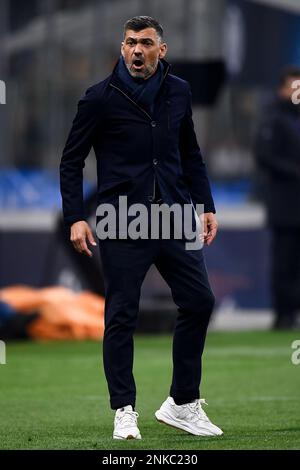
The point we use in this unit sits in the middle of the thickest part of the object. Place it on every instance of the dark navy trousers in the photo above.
(125, 264)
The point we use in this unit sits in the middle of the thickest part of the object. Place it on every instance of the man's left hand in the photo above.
(210, 227)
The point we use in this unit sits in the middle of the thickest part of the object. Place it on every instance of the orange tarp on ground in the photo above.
(63, 314)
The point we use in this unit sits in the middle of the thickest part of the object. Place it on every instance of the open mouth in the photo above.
(138, 63)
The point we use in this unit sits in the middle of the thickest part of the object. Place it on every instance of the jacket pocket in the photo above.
(110, 190)
(114, 183)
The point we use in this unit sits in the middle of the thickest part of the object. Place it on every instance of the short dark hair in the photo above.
(137, 23)
(290, 71)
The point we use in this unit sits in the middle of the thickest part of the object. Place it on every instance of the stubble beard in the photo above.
(146, 73)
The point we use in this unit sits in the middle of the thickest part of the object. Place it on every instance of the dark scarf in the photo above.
(143, 92)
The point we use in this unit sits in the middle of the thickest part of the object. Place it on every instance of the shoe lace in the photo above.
(127, 418)
(197, 410)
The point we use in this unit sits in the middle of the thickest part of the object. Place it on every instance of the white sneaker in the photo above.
(189, 417)
(125, 424)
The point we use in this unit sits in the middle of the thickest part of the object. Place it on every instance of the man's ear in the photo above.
(163, 50)
(122, 46)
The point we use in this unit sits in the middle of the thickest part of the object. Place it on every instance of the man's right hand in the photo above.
(80, 233)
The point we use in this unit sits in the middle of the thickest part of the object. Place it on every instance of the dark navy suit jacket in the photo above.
(136, 152)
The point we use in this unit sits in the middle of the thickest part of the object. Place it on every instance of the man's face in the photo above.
(141, 51)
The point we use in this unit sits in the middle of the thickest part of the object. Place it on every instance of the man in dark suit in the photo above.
(139, 122)
(278, 155)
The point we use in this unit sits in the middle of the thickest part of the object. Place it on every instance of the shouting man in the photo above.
(139, 122)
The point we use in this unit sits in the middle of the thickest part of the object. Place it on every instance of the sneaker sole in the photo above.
(177, 425)
(128, 437)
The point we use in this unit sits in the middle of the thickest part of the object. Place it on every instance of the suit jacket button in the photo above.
(155, 161)
(153, 123)
(150, 198)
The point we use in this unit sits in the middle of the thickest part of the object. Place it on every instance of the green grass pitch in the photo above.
(54, 395)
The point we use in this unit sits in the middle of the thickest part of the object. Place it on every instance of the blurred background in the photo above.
(231, 52)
